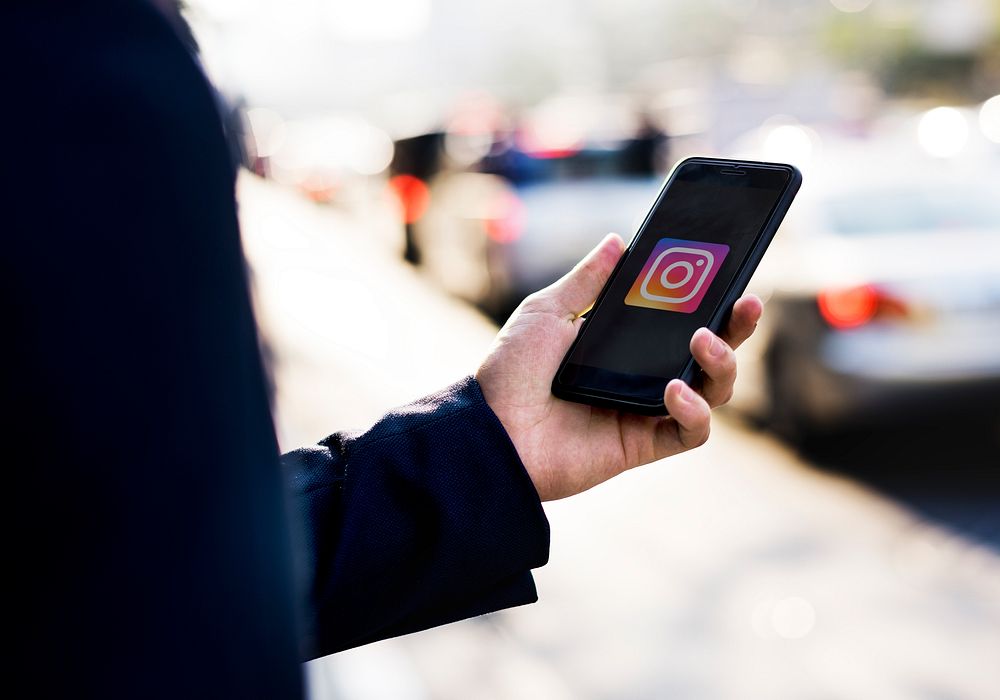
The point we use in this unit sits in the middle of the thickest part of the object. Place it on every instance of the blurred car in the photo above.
(884, 295)
(494, 239)
(531, 203)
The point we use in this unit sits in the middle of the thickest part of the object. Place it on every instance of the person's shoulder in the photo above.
(105, 79)
(102, 54)
(92, 30)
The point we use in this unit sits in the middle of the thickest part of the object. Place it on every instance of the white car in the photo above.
(493, 239)
(883, 295)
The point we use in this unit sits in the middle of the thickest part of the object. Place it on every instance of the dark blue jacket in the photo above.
(148, 541)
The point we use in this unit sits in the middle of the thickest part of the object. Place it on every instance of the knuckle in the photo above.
(730, 354)
(534, 303)
(589, 275)
(729, 367)
(698, 436)
(731, 374)
(702, 436)
(722, 370)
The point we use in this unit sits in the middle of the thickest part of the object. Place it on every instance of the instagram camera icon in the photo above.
(677, 275)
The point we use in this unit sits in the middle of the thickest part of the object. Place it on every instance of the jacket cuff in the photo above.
(438, 521)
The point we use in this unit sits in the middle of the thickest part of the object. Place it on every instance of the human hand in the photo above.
(569, 447)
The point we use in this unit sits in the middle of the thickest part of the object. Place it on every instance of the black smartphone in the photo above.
(688, 264)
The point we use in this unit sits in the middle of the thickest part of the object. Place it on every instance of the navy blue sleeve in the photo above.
(426, 518)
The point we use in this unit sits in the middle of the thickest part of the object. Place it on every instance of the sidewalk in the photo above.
(732, 572)
(354, 329)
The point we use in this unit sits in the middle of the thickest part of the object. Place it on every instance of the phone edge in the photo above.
(736, 288)
(742, 279)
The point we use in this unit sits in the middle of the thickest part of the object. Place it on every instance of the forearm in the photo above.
(425, 518)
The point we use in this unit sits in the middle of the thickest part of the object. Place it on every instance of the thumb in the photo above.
(577, 289)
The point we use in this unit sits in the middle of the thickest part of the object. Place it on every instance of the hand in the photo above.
(569, 447)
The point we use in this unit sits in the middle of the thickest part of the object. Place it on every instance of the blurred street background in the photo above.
(413, 168)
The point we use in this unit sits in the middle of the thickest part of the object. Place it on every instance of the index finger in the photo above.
(742, 322)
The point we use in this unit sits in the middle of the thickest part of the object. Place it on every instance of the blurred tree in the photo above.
(944, 52)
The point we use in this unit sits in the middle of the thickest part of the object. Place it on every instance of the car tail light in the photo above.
(506, 220)
(413, 194)
(850, 307)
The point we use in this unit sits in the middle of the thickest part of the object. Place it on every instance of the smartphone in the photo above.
(685, 268)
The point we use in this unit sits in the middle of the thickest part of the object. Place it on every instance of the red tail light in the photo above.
(414, 196)
(507, 220)
(851, 307)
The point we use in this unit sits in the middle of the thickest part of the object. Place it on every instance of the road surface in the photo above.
(740, 570)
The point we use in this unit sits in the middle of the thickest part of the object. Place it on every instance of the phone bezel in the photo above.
(720, 314)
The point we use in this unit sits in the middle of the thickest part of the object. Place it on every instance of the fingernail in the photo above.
(716, 348)
(686, 393)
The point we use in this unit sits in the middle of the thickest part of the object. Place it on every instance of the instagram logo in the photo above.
(677, 275)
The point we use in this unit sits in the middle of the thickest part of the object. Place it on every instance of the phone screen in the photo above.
(697, 238)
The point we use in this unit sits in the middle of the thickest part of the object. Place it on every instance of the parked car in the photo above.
(494, 236)
(884, 295)
(498, 207)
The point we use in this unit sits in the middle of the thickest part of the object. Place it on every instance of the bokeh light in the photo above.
(793, 618)
(413, 195)
(989, 119)
(943, 132)
(789, 143)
